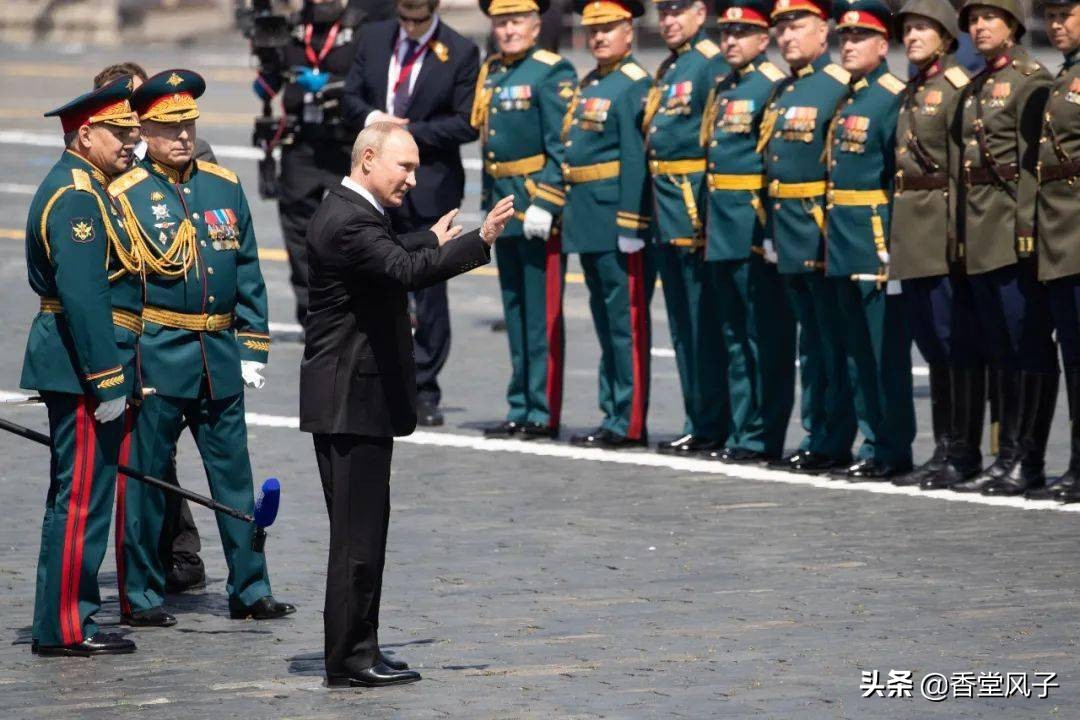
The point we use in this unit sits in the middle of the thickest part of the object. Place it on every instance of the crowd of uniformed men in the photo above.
(813, 218)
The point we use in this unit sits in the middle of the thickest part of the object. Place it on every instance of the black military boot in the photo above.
(941, 419)
(968, 407)
(1010, 402)
(1067, 487)
(1038, 398)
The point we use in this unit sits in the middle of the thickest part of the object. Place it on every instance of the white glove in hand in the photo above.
(770, 252)
(893, 287)
(537, 223)
(110, 410)
(883, 256)
(251, 372)
(630, 245)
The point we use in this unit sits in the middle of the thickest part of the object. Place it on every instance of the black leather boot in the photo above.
(1038, 398)
(1067, 487)
(941, 419)
(968, 408)
(1011, 411)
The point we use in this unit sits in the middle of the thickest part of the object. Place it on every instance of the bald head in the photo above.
(384, 161)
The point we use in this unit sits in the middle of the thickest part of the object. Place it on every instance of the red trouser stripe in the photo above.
(639, 343)
(121, 487)
(75, 525)
(553, 273)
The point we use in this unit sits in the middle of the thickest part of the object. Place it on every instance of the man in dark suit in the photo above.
(417, 72)
(358, 377)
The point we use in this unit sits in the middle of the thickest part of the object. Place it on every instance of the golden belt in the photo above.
(787, 191)
(677, 167)
(856, 197)
(194, 322)
(121, 318)
(513, 168)
(718, 181)
(590, 173)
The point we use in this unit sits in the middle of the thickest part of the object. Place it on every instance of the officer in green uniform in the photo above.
(80, 356)
(205, 337)
(1059, 217)
(861, 163)
(677, 165)
(522, 95)
(1000, 120)
(793, 135)
(755, 319)
(606, 218)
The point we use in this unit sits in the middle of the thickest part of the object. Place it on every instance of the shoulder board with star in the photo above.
(770, 71)
(707, 48)
(634, 71)
(546, 57)
(957, 77)
(838, 73)
(128, 180)
(891, 83)
(215, 169)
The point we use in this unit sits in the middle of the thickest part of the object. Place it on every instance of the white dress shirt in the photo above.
(362, 192)
(398, 59)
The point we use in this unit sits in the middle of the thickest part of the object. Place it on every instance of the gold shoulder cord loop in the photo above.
(568, 118)
(176, 260)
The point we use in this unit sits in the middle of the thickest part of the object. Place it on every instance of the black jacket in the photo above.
(438, 114)
(358, 375)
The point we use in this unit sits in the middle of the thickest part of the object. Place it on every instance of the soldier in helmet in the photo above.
(1000, 120)
(1058, 216)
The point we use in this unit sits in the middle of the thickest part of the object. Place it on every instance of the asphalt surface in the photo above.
(528, 580)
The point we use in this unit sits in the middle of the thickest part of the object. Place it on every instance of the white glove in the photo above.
(251, 371)
(110, 410)
(537, 223)
(630, 245)
(883, 256)
(893, 287)
(770, 252)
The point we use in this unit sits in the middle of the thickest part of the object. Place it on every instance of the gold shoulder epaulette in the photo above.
(957, 77)
(773, 73)
(215, 169)
(1027, 67)
(707, 48)
(838, 73)
(546, 56)
(128, 180)
(81, 178)
(891, 83)
(634, 72)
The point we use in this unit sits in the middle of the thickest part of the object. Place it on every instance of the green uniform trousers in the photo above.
(699, 349)
(758, 328)
(620, 288)
(878, 345)
(828, 411)
(220, 433)
(78, 511)
(531, 278)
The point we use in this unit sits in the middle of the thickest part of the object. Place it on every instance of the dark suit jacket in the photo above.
(358, 375)
(438, 112)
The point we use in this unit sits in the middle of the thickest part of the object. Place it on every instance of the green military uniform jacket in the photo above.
(526, 99)
(998, 163)
(1059, 174)
(861, 157)
(672, 126)
(603, 138)
(923, 238)
(794, 126)
(78, 257)
(736, 217)
(224, 281)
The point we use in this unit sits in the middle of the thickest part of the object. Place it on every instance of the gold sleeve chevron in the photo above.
(631, 221)
(107, 378)
(551, 194)
(259, 342)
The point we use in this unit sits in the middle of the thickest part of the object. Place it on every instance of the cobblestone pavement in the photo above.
(543, 583)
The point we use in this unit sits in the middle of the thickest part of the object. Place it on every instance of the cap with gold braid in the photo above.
(821, 8)
(495, 8)
(107, 104)
(601, 12)
(731, 13)
(873, 15)
(169, 96)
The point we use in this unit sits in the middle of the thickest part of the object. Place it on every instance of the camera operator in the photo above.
(315, 140)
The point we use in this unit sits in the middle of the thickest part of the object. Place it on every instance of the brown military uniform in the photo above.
(1059, 175)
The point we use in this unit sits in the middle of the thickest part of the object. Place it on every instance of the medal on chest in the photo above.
(515, 97)
(221, 227)
(999, 94)
(738, 116)
(799, 124)
(853, 133)
(677, 98)
(593, 113)
(1073, 95)
(931, 103)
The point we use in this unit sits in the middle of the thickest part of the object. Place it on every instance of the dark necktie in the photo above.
(402, 94)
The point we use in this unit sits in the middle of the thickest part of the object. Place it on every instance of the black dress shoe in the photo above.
(739, 456)
(504, 429)
(535, 431)
(588, 439)
(812, 463)
(604, 438)
(865, 470)
(265, 608)
(688, 445)
(378, 675)
(428, 415)
(187, 573)
(976, 484)
(391, 663)
(97, 644)
(154, 617)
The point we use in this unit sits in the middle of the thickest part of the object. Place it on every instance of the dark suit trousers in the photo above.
(355, 473)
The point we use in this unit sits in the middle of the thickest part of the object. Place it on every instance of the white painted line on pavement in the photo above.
(17, 189)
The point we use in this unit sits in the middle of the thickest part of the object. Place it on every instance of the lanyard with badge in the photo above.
(313, 112)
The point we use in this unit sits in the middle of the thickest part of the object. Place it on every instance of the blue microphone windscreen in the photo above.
(266, 503)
